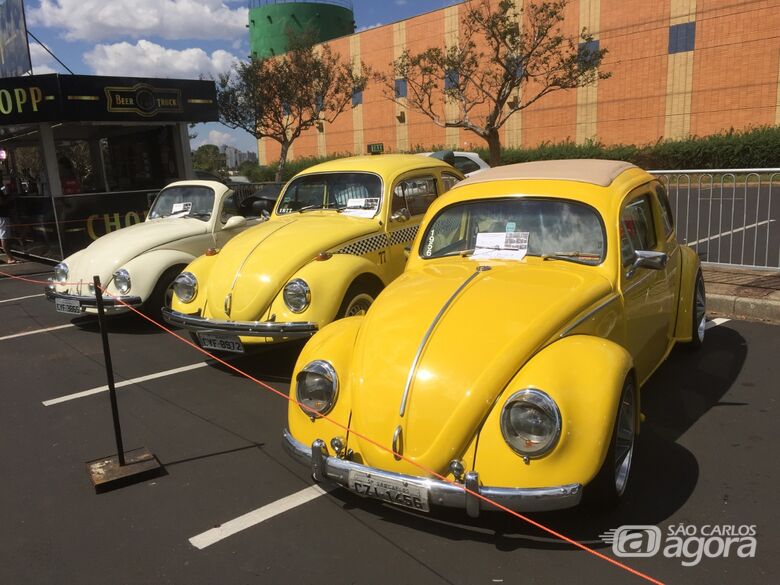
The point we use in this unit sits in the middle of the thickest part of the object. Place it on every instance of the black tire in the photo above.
(358, 298)
(609, 485)
(698, 314)
(161, 295)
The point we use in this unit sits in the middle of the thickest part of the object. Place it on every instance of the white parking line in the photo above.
(730, 232)
(257, 516)
(715, 322)
(124, 383)
(15, 335)
(21, 298)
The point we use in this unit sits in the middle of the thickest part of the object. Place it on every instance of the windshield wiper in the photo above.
(462, 253)
(309, 208)
(576, 257)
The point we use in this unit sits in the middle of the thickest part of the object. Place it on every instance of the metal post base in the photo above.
(107, 474)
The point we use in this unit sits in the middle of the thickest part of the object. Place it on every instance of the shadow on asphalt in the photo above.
(124, 323)
(663, 477)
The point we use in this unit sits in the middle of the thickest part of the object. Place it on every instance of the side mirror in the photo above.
(648, 259)
(234, 222)
(401, 215)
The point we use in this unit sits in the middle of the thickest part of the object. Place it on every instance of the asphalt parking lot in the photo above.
(706, 457)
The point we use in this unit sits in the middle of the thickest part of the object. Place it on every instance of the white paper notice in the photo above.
(362, 207)
(184, 207)
(501, 246)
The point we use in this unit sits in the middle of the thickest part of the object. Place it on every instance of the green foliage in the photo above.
(208, 158)
(755, 148)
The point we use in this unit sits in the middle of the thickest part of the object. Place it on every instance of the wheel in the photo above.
(357, 300)
(610, 483)
(161, 295)
(698, 314)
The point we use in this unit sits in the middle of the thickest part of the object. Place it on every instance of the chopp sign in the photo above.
(20, 100)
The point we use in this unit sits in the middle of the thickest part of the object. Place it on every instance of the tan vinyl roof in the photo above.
(585, 170)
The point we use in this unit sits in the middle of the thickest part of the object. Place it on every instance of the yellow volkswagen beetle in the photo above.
(508, 357)
(336, 238)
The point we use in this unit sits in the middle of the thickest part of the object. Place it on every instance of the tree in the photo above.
(208, 158)
(504, 61)
(281, 97)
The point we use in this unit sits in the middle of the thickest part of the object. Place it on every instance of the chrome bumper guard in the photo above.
(328, 468)
(294, 330)
(90, 302)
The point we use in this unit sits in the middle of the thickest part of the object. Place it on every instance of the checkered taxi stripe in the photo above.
(379, 242)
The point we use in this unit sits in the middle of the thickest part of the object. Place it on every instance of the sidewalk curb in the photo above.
(744, 307)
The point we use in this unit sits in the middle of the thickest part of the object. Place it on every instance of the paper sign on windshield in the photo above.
(501, 246)
(184, 207)
(362, 207)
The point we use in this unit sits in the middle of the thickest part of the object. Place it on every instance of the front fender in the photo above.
(201, 268)
(328, 281)
(584, 375)
(691, 265)
(147, 268)
(334, 344)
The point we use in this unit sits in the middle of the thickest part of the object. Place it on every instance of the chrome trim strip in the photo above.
(587, 316)
(91, 301)
(424, 342)
(440, 493)
(293, 330)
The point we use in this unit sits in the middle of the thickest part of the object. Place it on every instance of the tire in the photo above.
(698, 314)
(161, 295)
(358, 298)
(609, 485)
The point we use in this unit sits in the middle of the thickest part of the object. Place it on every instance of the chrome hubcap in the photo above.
(700, 306)
(624, 439)
(359, 305)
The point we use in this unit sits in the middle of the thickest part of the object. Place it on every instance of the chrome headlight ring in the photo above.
(122, 281)
(317, 388)
(297, 295)
(61, 273)
(185, 287)
(531, 423)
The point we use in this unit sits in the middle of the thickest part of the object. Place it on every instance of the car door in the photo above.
(673, 270)
(228, 209)
(644, 290)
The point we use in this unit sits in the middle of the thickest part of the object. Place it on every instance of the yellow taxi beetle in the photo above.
(537, 300)
(336, 238)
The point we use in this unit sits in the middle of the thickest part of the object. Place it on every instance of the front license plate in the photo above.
(69, 306)
(221, 342)
(395, 491)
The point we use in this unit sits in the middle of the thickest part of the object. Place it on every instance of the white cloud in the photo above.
(42, 62)
(370, 26)
(94, 20)
(215, 137)
(148, 59)
(400, 2)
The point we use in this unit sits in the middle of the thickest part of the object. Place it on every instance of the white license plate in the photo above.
(221, 342)
(69, 306)
(394, 491)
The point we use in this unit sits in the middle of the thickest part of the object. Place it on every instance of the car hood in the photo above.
(111, 251)
(255, 265)
(491, 328)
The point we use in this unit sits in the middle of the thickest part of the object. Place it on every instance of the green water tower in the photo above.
(270, 21)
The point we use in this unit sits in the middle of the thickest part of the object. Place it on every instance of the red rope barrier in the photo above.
(430, 472)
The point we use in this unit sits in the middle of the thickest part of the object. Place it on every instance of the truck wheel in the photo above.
(359, 297)
(610, 483)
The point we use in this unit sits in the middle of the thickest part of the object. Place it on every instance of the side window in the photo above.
(416, 195)
(465, 164)
(637, 230)
(448, 181)
(229, 208)
(666, 210)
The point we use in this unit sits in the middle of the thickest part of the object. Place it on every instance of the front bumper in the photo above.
(272, 329)
(441, 493)
(89, 302)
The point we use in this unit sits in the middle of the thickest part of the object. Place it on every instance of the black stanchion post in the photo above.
(120, 450)
(124, 468)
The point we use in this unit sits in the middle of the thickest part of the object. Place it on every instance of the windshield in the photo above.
(512, 228)
(197, 202)
(358, 194)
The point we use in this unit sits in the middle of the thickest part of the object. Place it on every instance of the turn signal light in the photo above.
(212, 251)
(322, 256)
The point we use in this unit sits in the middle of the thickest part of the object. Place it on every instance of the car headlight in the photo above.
(61, 272)
(317, 387)
(531, 423)
(185, 287)
(297, 295)
(122, 281)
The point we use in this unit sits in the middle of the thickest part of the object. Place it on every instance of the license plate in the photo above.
(221, 342)
(394, 491)
(69, 306)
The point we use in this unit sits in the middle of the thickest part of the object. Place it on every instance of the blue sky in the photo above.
(168, 38)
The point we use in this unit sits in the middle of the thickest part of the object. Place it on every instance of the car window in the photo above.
(229, 208)
(448, 181)
(554, 226)
(354, 193)
(637, 229)
(181, 201)
(666, 210)
(465, 164)
(416, 195)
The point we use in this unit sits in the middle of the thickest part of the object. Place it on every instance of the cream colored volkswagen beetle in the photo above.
(137, 264)
(509, 356)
